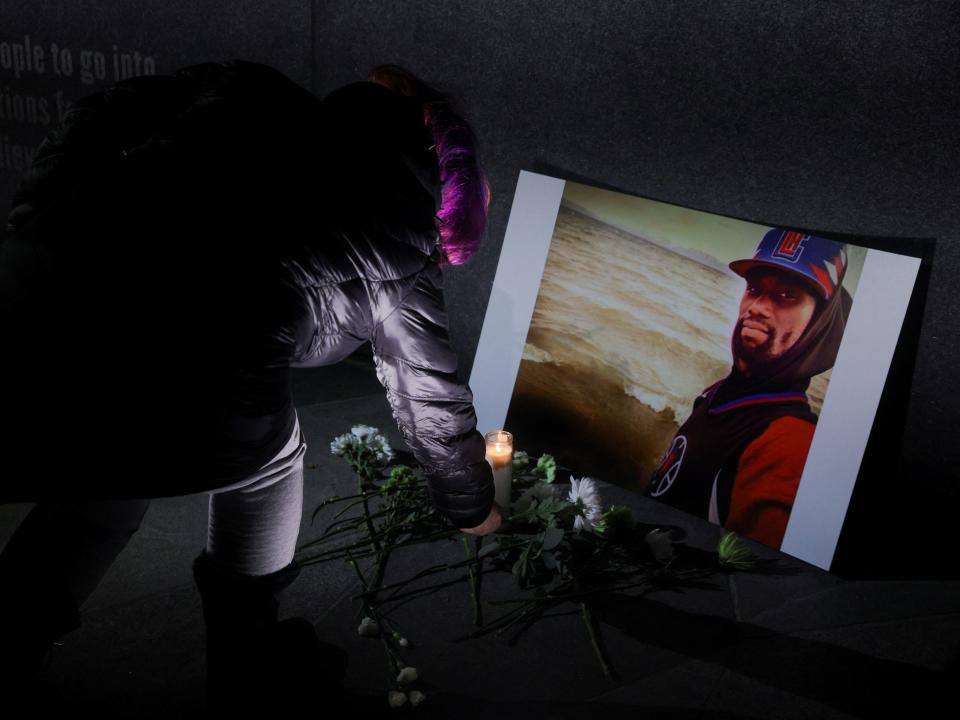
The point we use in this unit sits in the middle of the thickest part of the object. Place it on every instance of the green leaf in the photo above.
(616, 519)
(552, 537)
(550, 561)
(734, 553)
(402, 475)
(489, 549)
(519, 567)
(547, 509)
(520, 462)
(660, 545)
(546, 468)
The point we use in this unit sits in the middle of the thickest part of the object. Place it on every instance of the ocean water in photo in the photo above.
(625, 334)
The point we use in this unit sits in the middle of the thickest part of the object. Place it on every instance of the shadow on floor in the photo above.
(844, 679)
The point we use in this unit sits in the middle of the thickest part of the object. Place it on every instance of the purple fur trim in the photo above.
(464, 192)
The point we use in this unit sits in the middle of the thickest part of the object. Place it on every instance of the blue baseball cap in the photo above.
(819, 261)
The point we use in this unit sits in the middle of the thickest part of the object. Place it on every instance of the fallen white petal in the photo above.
(370, 629)
(407, 675)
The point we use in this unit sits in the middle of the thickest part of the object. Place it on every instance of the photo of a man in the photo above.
(738, 458)
(729, 368)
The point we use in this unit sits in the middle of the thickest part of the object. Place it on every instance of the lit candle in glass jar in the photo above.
(500, 457)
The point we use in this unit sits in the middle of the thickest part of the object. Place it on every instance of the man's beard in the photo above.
(757, 356)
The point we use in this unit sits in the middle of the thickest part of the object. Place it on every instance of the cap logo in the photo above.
(832, 270)
(790, 246)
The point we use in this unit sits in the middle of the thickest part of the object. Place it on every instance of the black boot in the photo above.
(48, 569)
(37, 606)
(30, 625)
(255, 662)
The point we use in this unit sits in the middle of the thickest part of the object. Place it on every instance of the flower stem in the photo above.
(328, 534)
(474, 579)
(393, 666)
(330, 558)
(365, 502)
(405, 597)
(594, 631)
(404, 583)
(427, 538)
(353, 564)
(533, 606)
(343, 548)
(502, 622)
(348, 520)
(595, 640)
(330, 501)
(362, 499)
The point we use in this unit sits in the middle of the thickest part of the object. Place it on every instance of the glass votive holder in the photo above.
(500, 456)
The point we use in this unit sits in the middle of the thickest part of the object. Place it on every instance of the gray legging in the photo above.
(252, 529)
(253, 524)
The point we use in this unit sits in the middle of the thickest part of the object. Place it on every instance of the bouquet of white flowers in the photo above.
(562, 547)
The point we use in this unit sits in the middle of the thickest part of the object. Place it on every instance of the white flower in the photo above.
(368, 627)
(363, 436)
(407, 676)
(363, 431)
(538, 492)
(373, 439)
(340, 444)
(417, 697)
(586, 496)
(396, 699)
(383, 450)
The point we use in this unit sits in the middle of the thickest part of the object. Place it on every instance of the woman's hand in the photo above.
(487, 526)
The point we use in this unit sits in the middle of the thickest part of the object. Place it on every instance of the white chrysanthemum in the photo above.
(396, 699)
(363, 436)
(586, 496)
(382, 449)
(537, 492)
(340, 444)
(363, 431)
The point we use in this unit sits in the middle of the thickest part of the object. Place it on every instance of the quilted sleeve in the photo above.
(433, 409)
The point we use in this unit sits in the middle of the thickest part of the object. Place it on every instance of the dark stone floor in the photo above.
(797, 643)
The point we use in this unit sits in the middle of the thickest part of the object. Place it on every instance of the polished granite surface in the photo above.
(795, 643)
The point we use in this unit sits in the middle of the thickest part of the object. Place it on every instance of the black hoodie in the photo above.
(731, 413)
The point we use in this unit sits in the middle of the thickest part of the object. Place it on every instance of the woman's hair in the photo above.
(464, 191)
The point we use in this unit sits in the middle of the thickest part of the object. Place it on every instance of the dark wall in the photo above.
(86, 45)
(835, 116)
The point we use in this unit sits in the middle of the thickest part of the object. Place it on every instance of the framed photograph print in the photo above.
(730, 369)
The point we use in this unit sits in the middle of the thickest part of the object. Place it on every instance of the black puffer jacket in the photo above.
(179, 243)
